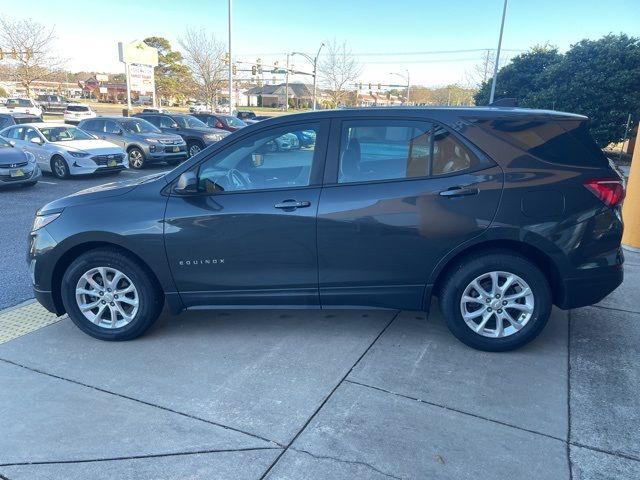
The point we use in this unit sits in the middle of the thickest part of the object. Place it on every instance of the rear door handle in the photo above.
(460, 191)
(292, 204)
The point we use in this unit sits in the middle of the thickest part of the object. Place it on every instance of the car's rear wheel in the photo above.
(110, 296)
(194, 148)
(59, 167)
(136, 158)
(495, 302)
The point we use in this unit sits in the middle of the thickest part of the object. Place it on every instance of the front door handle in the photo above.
(292, 204)
(460, 191)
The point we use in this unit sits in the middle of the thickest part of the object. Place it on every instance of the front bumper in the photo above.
(31, 174)
(45, 298)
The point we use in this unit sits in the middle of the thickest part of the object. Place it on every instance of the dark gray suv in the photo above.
(500, 213)
(143, 142)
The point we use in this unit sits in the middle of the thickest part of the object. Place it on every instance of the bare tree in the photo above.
(204, 56)
(338, 69)
(481, 71)
(27, 44)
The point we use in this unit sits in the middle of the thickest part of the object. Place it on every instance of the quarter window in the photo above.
(111, 127)
(386, 150)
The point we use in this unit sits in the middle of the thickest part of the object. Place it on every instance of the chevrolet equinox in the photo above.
(499, 212)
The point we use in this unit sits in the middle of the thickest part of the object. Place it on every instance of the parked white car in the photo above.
(65, 150)
(76, 112)
(21, 105)
(199, 108)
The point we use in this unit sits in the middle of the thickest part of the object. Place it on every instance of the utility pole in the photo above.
(286, 90)
(230, 64)
(495, 68)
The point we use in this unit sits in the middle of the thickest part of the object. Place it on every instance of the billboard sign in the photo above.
(141, 78)
(138, 52)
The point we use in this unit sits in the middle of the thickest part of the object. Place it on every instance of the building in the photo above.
(299, 94)
(40, 87)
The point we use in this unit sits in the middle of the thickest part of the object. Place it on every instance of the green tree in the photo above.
(170, 74)
(597, 78)
(526, 79)
(3, 93)
(600, 79)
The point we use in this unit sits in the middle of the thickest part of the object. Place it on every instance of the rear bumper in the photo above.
(590, 289)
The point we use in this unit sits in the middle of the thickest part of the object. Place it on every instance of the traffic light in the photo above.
(1, 54)
(379, 86)
(234, 69)
(254, 70)
(360, 87)
(369, 86)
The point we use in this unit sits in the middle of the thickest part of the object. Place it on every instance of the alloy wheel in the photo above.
(194, 149)
(107, 297)
(497, 304)
(136, 159)
(60, 167)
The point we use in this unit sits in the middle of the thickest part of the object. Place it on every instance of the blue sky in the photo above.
(379, 33)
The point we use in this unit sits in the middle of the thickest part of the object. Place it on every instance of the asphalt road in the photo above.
(19, 206)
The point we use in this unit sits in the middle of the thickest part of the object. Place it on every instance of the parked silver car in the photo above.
(143, 142)
(65, 150)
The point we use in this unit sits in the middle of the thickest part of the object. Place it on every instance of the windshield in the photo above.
(64, 134)
(18, 102)
(139, 126)
(234, 122)
(187, 121)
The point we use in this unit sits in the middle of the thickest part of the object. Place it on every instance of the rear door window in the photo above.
(373, 150)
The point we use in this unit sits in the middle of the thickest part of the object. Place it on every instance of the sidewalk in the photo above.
(319, 395)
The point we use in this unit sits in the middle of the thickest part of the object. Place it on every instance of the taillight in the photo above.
(610, 192)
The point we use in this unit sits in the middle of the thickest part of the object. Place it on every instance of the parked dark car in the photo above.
(499, 212)
(17, 167)
(53, 103)
(143, 142)
(223, 122)
(195, 133)
(8, 119)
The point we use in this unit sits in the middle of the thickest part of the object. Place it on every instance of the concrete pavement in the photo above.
(316, 395)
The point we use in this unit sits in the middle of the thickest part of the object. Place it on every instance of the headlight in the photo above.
(152, 140)
(79, 154)
(30, 157)
(43, 220)
(214, 137)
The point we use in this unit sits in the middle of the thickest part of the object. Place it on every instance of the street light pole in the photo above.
(314, 62)
(286, 88)
(407, 79)
(230, 64)
(495, 67)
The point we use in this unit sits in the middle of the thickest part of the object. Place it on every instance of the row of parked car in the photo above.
(109, 144)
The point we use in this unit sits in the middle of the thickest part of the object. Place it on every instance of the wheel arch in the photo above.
(532, 253)
(72, 253)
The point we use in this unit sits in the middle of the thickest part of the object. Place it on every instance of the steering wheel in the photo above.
(237, 180)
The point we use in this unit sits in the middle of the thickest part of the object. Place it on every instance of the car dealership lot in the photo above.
(325, 394)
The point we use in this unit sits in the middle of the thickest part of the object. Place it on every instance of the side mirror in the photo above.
(176, 126)
(36, 140)
(187, 184)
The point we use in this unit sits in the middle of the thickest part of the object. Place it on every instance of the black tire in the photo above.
(150, 297)
(194, 147)
(137, 159)
(59, 167)
(462, 275)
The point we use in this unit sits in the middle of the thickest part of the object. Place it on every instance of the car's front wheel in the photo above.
(109, 295)
(497, 301)
(136, 158)
(194, 148)
(59, 167)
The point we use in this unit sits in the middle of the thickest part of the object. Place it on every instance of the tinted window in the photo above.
(30, 134)
(93, 125)
(111, 127)
(139, 125)
(558, 141)
(388, 149)
(77, 108)
(266, 160)
(166, 122)
(64, 134)
(189, 121)
(154, 119)
(14, 133)
(4, 122)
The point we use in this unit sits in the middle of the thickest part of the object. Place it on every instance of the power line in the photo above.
(383, 54)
